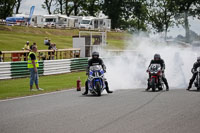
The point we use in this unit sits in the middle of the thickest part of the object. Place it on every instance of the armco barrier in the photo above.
(79, 64)
(5, 70)
(57, 66)
(19, 69)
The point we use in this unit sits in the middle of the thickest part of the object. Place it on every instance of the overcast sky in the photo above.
(26, 5)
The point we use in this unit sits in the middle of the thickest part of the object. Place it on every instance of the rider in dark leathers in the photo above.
(92, 62)
(194, 72)
(157, 60)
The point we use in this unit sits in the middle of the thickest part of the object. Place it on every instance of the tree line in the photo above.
(137, 15)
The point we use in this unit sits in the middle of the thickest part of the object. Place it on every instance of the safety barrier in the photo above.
(5, 70)
(56, 66)
(79, 64)
(19, 69)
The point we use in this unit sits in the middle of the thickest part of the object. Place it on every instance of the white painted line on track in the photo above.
(49, 93)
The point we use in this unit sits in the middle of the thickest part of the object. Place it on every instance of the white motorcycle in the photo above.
(96, 80)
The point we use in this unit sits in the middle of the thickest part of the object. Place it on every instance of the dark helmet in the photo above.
(157, 57)
(95, 54)
(198, 59)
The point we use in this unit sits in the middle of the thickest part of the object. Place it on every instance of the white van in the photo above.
(87, 23)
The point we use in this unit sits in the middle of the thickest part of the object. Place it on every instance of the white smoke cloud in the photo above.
(127, 70)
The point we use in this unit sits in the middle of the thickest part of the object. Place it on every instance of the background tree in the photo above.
(60, 4)
(136, 14)
(69, 7)
(91, 7)
(77, 5)
(188, 8)
(6, 8)
(17, 6)
(113, 9)
(47, 5)
(161, 15)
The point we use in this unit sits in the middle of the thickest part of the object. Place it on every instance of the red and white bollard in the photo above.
(78, 84)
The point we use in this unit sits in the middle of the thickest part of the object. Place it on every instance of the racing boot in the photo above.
(166, 84)
(148, 86)
(189, 86)
(107, 88)
(167, 88)
(86, 88)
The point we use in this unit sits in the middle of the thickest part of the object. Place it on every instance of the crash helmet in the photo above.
(157, 57)
(198, 59)
(95, 55)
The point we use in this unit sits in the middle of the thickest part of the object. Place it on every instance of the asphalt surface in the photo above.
(124, 111)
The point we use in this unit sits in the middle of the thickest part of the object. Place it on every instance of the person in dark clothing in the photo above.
(50, 53)
(48, 43)
(157, 60)
(33, 45)
(1, 59)
(92, 62)
(194, 72)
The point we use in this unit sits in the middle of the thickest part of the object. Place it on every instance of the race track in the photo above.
(124, 111)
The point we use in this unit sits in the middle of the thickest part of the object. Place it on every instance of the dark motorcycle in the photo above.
(155, 80)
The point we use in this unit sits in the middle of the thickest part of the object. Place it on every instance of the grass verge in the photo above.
(14, 37)
(20, 87)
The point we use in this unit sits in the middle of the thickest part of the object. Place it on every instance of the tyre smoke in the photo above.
(127, 69)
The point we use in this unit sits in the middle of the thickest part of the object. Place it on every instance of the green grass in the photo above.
(20, 87)
(11, 40)
(14, 37)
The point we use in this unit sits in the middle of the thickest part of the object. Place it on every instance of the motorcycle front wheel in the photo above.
(153, 84)
(98, 87)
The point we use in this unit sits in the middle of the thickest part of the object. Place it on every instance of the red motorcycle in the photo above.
(155, 77)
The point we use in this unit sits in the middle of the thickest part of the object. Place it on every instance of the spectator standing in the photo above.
(26, 48)
(1, 59)
(50, 53)
(34, 44)
(54, 49)
(32, 66)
